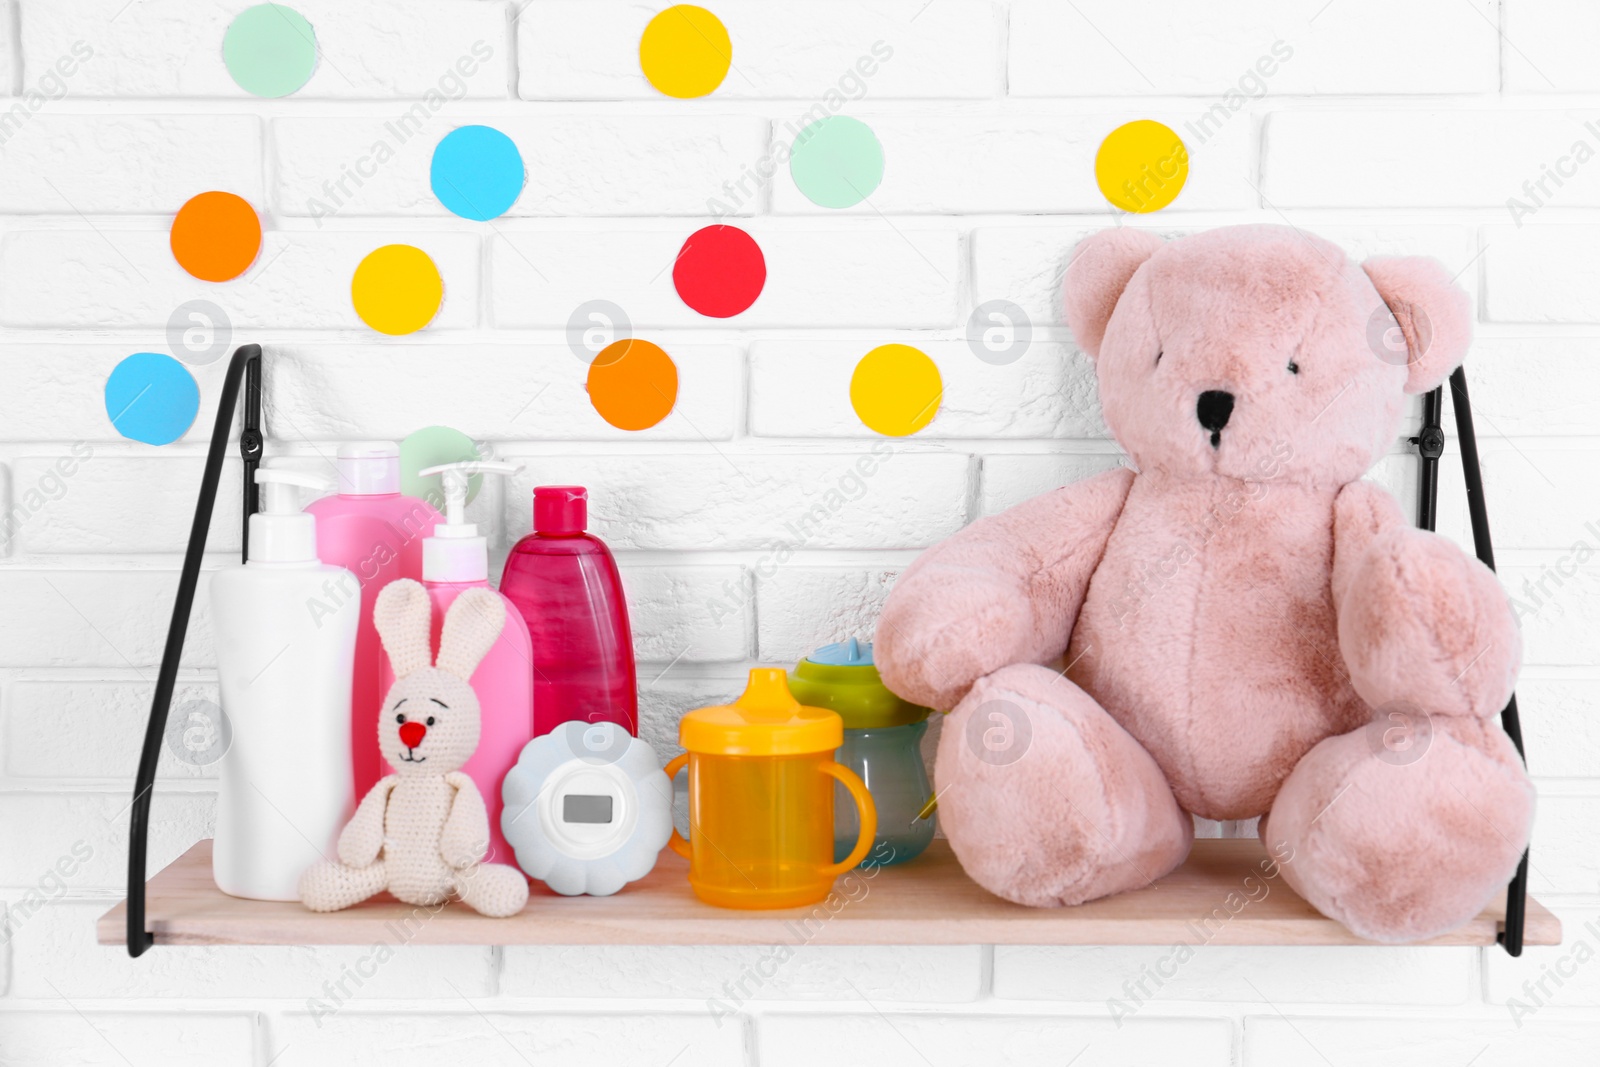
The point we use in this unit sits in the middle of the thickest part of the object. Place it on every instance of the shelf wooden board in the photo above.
(926, 902)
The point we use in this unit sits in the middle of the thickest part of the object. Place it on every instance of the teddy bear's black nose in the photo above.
(1213, 410)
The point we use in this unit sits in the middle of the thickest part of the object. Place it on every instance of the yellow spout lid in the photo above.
(765, 721)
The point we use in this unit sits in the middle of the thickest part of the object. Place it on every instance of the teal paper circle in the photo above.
(433, 446)
(270, 50)
(476, 172)
(151, 398)
(836, 162)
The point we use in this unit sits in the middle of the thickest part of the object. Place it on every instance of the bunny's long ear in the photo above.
(471, 627)
(402, 615)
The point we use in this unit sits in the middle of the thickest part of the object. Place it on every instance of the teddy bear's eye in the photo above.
(1294, 368)
(1159, 355)
(430, 720)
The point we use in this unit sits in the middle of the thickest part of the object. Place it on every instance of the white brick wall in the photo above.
(1387, 127)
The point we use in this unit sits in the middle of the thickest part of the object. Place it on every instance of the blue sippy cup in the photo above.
(882, 744)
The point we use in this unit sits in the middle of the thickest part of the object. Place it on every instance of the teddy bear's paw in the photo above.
(1403, 841)
(1424, 626)
(931, 650)
(330, 886)
(1046, 800)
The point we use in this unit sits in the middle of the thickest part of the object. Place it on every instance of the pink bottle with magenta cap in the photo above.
(565, 585)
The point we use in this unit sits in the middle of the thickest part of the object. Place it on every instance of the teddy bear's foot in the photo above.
(333, 886)
(1046, 800)
(1403, 841)
(1423, 627)
(492, 889)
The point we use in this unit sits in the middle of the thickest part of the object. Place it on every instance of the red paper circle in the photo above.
(719, 271)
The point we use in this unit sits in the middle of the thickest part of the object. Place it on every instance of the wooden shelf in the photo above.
(926, 902)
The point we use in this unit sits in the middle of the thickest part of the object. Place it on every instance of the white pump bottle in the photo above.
(285, 631)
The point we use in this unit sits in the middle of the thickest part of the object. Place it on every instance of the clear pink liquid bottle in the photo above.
(565, 585)
(376, 534)
(454, 560)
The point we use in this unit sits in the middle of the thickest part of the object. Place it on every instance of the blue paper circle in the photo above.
(477, 172)
(152, 398)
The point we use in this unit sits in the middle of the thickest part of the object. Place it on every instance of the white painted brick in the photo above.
(92, 510)
(578, 165)
(1541, 497)
(1534, 386)
(133, 164)
(380, 48)
(56, 949)
(757, 501)
(819, 51)
(1542, 273)
(84, 278)
(1009, 480)
(318, 392)
(1026, 264)
(1106, 48)
(475, 1035)
(1559, 726)
(793, 1040)
(56, 392)
(88, 834)
(1545, 50)
(1559, 976)
(72, 1038)
(687, 614)
(666, 692)
(1038, 161)
(802, 389)
(102, 618)
(1561, 619)
(1564, 859)
(1393, 157)
(88, 730)
(732, 975)
(862, 274)
(1306, 1041)
(1302, 974)
(801, 608)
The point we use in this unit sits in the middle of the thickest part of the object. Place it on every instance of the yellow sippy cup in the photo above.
(761, 774)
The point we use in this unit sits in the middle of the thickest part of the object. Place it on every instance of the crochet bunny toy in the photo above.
(422, 832)
(1247, 628)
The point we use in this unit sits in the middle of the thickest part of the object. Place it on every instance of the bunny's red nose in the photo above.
(412, 733)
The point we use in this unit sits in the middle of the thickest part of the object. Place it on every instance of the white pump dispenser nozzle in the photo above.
(280, 532)
(455, 552)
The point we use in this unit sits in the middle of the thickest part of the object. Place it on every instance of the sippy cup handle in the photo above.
(865, 807)
(676, 841)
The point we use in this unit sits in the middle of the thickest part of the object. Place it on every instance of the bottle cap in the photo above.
(842, 678)
(455, 552)
(280, 532)
(560, 510)
(369, 468)
(765, 721)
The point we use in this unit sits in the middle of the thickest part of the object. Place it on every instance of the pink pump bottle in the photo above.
(376, 534)
(565, 584)
(454, 560)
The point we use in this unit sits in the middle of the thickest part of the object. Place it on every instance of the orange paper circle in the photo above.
(633, 384)
(216, 236)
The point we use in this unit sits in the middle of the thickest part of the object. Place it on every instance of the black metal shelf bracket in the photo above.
(1430, 444)
(243, 368)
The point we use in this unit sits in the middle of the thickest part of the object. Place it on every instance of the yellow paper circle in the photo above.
(896, 390)
(397, 289)
(1141, 166)
(685, 51)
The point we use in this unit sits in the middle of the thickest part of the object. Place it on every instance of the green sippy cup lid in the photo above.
(842, 678)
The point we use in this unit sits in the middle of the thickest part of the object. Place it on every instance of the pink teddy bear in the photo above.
(1242, 626)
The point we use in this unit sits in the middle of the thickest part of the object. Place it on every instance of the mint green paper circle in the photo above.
(836, 162)
(433, 446)
(270, 50)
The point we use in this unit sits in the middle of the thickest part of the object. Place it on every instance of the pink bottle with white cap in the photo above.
(454, 560)
(371, 530)
(565, 583)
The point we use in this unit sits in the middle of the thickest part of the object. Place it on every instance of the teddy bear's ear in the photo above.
(403, 616)
(1433, 312)
(1100, 268)
(471, 627)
